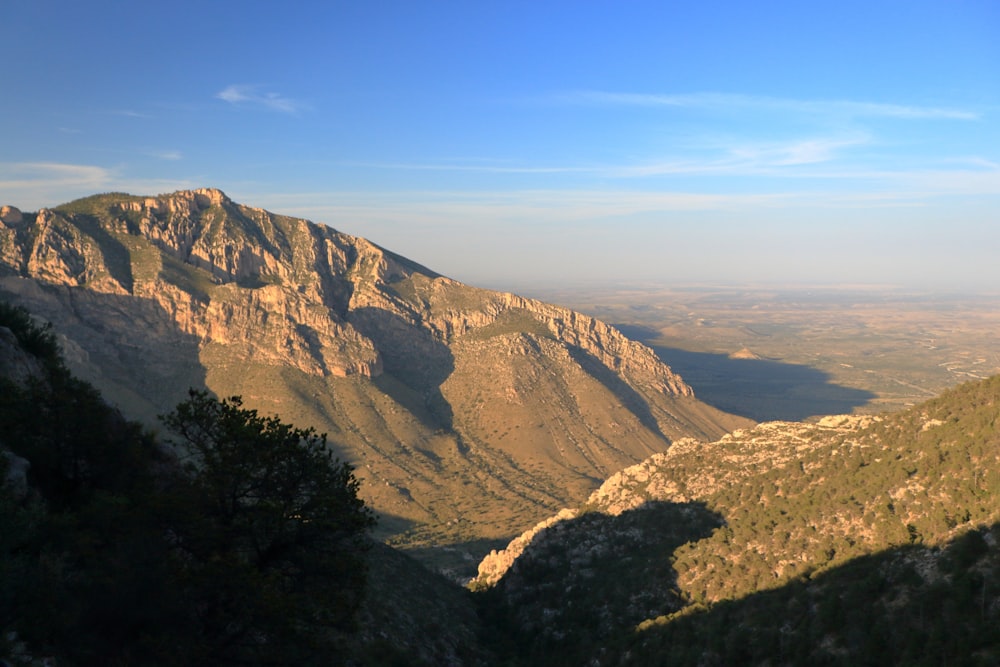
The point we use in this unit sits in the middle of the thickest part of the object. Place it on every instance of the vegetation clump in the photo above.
(869, 540)
(248, 547)
(37, 339)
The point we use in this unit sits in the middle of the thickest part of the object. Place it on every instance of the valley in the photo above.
(468, 413)
(799, 353)
(710, 453)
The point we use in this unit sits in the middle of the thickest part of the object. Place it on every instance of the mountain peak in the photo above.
(467, 411)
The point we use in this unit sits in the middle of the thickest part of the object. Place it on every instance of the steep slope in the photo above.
(703, 525)
(86, 576)
(469, 413)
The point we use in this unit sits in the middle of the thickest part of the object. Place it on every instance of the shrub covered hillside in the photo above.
(813, 539)
(247, 547)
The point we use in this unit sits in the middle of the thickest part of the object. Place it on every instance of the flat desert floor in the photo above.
(801, 353)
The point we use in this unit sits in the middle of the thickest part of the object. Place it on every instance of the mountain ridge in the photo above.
(897, 507)
(468, 412)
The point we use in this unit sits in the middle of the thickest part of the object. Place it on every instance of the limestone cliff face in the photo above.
(221, 273)
(458, 404)
(291, 289)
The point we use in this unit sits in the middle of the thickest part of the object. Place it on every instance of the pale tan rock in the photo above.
(16, 365)
(11, 216)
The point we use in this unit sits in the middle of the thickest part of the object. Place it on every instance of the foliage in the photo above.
(119, 554)
(82, 562)
(269, 536)
(906, 606)
(835, 535)
(38, 340)
(585, 580)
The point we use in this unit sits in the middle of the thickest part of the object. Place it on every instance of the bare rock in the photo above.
(11, 216)
(16, 365)
(15, 478)
(495, 565)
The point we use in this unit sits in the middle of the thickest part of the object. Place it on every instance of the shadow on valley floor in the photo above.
(583, 581)
(908, 605)
(414, 357)
(458, 561)
(629, 397)
(761, 389)
(454, 557)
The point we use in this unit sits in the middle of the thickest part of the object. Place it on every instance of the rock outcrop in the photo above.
(463, 408)
(11, 216)
(730, 461)
(16, 365)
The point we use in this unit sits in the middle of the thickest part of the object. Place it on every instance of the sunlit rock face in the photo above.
(471, 411)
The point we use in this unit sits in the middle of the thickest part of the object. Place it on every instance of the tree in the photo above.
(269, 537)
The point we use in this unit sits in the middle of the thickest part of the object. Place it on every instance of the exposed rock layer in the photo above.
(465, 409)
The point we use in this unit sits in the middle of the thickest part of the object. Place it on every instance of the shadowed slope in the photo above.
(468, 412)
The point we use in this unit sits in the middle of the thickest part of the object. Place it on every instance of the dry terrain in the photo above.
(800, 353)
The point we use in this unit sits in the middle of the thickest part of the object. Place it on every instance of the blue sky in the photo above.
(511, 144)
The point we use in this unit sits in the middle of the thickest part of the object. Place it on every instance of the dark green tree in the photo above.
(34, 338)
(270, 535)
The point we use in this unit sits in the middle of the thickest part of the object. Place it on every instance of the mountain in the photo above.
(468, 413)
(98, 564)
(854, 540)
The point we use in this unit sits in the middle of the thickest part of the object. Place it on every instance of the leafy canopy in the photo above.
(271, 531)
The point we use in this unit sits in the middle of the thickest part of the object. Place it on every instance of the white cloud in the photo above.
(251, 95)
(794, 153)
(34, 185)
(17, 176)
(855, 190)
(128, 113)
(743, 158)
(450, 209)
(726, 101)
(465, 167)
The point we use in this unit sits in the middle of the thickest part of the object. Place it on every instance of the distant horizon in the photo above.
(790, 143)
(624, 282)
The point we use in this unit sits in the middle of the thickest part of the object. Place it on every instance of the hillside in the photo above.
(812, 539)
(99, 563)
(854, 540)
(468, 413)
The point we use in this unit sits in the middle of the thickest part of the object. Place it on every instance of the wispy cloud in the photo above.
(445, 209)
(737, 158)
(743, 158)
(252, 95)
(861, 190)
(34, 185)
(168, 155)
(16, 176)
(129, 113)
(734, 102)
(464, 166)
(806, 151)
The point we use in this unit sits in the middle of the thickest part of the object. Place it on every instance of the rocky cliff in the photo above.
(469, 413)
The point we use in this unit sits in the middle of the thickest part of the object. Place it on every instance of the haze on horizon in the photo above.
(556, 143)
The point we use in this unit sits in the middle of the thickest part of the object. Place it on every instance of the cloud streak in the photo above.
(735, 102)
(251, 95)
(741, 158)
(46, 184)
(20, 175)
(168, 155)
